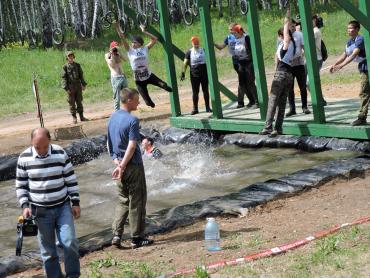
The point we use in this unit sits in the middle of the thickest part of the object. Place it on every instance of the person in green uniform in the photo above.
(73, 83)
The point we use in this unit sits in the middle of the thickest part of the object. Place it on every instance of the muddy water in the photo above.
(186, 173)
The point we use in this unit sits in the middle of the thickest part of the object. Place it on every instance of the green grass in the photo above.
(114, 268)
(344, 254)
(18, 65)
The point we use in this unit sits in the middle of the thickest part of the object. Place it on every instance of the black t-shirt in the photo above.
(199, 69)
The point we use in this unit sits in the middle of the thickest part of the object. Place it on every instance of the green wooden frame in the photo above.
(317, 127)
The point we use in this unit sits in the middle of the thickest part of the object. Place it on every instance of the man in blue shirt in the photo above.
(123, 146)
(355, 51)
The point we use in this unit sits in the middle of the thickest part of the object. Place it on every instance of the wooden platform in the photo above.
(339, 115)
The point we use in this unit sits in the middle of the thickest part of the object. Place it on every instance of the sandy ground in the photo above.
(265, 226)
(269, 225)
(15, 130)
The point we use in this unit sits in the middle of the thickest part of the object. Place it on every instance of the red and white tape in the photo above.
(275, 250)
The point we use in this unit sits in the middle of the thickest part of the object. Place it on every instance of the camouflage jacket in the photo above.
(72, 74)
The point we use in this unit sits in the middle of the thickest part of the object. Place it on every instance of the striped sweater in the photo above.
(46, 181)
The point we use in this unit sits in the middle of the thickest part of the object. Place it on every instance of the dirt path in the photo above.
(266, 226)
(15, 130)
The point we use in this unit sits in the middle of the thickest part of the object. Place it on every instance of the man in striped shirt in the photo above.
(46, 187)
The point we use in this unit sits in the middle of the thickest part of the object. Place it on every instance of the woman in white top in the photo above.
(138, 55)
(195, 57)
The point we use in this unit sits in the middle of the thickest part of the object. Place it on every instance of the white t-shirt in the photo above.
(197, 56)
(318, 38)
(298, 57)
(139, 62)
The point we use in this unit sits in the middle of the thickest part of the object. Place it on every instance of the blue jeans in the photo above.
(57, 221)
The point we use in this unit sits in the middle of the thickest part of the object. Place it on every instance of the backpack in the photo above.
(324, 51)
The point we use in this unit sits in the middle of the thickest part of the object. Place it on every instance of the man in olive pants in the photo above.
(124, 148)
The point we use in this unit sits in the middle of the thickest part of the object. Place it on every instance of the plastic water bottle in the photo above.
(212, 235)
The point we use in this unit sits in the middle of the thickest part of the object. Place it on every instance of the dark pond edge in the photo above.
(231, 204)
(84, 150)
(166, 220)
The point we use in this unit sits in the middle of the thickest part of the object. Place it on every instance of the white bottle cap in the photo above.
(210, 219)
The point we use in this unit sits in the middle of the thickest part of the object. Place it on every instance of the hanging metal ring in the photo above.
(156, 16)
(58, 36)
(188, 17)
(108, 19)
(244, 7)
(142, 19)
(83, 30)
(31, 39)
(1, 36)
(123, 24)
(195, 9)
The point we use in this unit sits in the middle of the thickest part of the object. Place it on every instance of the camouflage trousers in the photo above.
(74, 99)
(364, 96)
(118, 83)
(281, 85)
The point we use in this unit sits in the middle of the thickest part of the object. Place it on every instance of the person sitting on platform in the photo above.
(149, 149)
(138, 55)
(282, 81)
(355, 51)
(196, 58)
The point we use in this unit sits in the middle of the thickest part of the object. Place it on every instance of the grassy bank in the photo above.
(344, 254)
(17, 65)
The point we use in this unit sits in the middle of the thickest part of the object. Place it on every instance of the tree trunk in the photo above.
(95, 18)
(47, 32)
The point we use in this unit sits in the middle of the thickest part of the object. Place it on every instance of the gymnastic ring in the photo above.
(123, 24)
(31, 39)
(195, 10)
(58, 36)
(1, 36)
(83, 30)
(188, 17)
(108, 19)
(244, 7)
(156, 16)
(142, 19)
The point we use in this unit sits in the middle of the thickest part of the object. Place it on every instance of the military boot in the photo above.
(74, 121)
(82, 118)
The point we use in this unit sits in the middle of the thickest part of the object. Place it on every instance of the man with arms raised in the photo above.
(114, 60)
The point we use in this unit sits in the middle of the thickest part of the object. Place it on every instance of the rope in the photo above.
(273, 251)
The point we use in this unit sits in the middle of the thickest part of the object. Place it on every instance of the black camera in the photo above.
(26, 227)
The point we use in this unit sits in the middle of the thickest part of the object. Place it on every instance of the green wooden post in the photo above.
(258, 62)
(169, 57)
(365, 8)
(353, 11)
(311, 58)
(207, 36)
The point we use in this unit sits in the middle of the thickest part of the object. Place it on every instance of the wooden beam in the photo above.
(312, 64)
(258, 61)
(207, 36)
(290, 128)
(356, 13)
